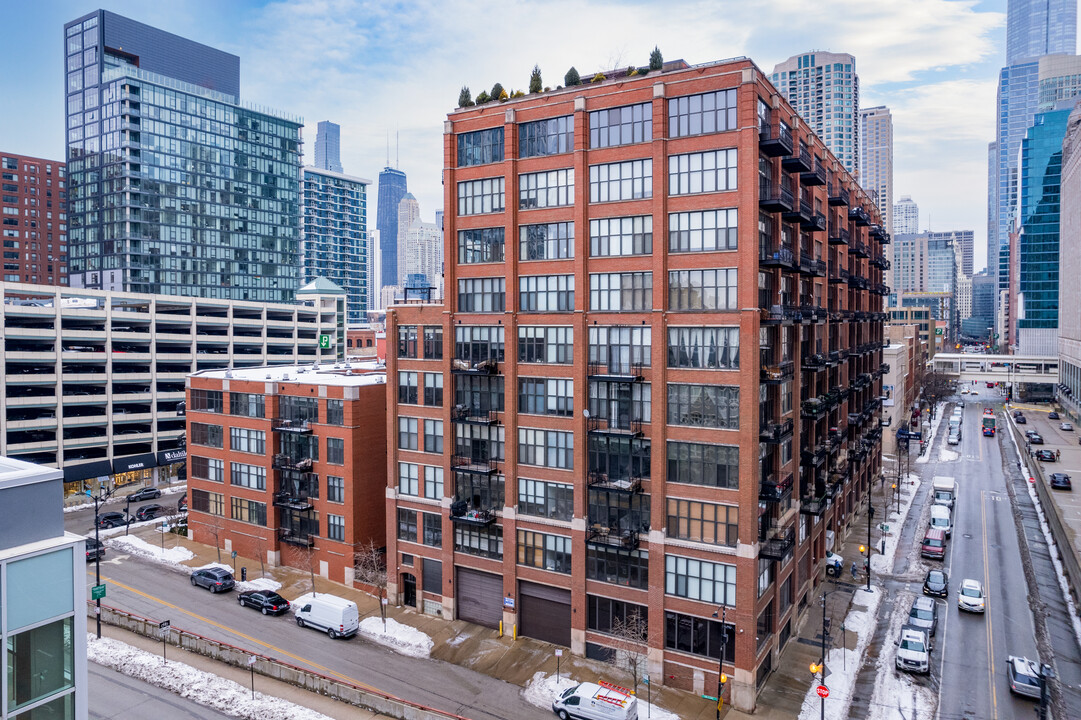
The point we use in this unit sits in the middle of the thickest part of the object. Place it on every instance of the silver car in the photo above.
(1024, 676)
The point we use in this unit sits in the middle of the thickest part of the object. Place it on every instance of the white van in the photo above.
(596, 702)
(336, 616)
(941, 520)
(944, 491)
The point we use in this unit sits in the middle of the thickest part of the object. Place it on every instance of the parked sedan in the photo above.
(112, 519)
(1015, 413)
(1052, 415)
(1024, 676)
(266, 601)
(1035, 439)
(149, 512)
(1060, 481)
(1065, 426)
(936, 583)
(214, 579)
(1020, 420)
(924, 614)
(1045, 455)
(94, 549)
(147, 493)
(970, 596)
(182, 504)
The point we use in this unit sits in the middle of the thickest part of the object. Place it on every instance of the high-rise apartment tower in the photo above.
(328, 154)
(34, 228)
(825, 90)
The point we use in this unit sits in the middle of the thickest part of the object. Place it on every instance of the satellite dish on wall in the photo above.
(585, 414)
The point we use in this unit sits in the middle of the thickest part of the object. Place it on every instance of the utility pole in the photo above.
(870, 516)
(722, 679)
(98, 499)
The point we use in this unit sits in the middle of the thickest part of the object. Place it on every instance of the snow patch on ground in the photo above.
(897, 695)
(201, 687)
(457, 640)
(141, 548)
(400, 638)
(844, 665)
(1071, 607)
(263, 583)
(76, 508)
(884, 563)
(111, 532)
(947, 455)
(926, 456)
(543, 689)
(173, 490)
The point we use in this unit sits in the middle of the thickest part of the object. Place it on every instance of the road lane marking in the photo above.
(239, 634)
(987, 605)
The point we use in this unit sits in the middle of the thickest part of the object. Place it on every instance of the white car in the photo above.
(1065, 426)
(970, 596)
(964, 391)
(913, 650)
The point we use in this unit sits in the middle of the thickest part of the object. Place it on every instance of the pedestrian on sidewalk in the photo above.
(1058, 454)
(855, 571)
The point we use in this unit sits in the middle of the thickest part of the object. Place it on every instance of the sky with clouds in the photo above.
(385, 69)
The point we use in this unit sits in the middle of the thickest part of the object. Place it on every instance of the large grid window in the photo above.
(433, 482)
(621, 236)
(702, 231)
(336, 451)
(711, 171)
(408, 479)
(604, 611)
(432, 529)
(712, 348)
(619, 348)
(702, 289)
(433, 436)
(480, 147)
(621, 292)
(249, 476)
(407, 433)
(710, 112)
(211, 503)
(477, 197)
(206, 400)
(546, 448)
(487, 294)
(703, 522)
(703, 464)
(621, 126)
(711, 406)
(433, 389)
(553, 136)
(699, 636)
(479, 394)
(539, 344)
(546, 396)
(207, 435)
(620, 457)
(630, 180)
(545, 499)
(298, 409)
(407, 387)
(482, 542)
(713, 583)
(483, 245)
(551, 241)
(618, 567)
(212, 469)
(546, 293)
(249, 511)
(620, 403)
(247, 405)
(336, 527)
(433, 343)
(407, 525)
(552, 188)
(477, 343)
(547, 552)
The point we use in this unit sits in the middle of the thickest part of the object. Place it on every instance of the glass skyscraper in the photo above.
(328, 146)
(1040, 27)
(392, 188)
(825, 90)
(335, 239)
(175, 186)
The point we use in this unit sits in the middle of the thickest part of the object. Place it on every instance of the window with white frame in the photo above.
(552, 188)
(336, 527)
(335, 489)
(477, 197)
(710, 171)
(546, 293)
(433, 436)
(708, 582)
(713, 348)
(249, 476)
(625, 125)
(550, 241)
(613, 182)
(621, 236)
(408, 479)
(545, 344)
(433, 482)
(710, 289)
(546, 396)
(702, 230)
(621, 292)
(546, 448)
(407, 433)
(484, 294)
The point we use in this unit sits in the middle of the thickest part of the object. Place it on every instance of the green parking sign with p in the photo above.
(324, 341)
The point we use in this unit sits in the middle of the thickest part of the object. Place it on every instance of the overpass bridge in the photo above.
(1008, 369)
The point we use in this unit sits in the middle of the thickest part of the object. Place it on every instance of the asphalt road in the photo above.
(151, 591)
(114, 695)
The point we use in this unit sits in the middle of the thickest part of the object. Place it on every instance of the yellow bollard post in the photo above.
(500, 628)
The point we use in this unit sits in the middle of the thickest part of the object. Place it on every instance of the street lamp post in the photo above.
(721, 678)
(870, 516)
(822, 659)
(98, 499)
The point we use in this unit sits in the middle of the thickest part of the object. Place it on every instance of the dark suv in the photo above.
(112, 519)
(147, 493)
(214, 579)
(149, 512)
(94, 549)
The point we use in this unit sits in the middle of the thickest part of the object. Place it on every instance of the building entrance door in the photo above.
(409, 589)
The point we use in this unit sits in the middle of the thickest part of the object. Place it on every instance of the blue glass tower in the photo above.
(335, 238)
(328, 146)
(392, 188)
(175, 186)
(1040, 27)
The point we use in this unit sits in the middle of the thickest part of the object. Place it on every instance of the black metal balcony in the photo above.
(884, 368)
(884, 239)
(462, 514)
(775, 140)
(472, 465)
(616, 372)
(859, 215)
(775, 198)
(801, 161)
(815, 221)
(818, 268)
(880, 289)
(285, 461)
(839, 236)
(815, 456)
(777, 543)
(802, 212)
(858, 249)
(772, 431)
(292, 501)
(816, 506)
(781, 257)
(880, 261)
(814, 363)
(818, 175)
(604, 481)
(289, 425)
(877, 232)
(838, 194)
(604, 536)
(292, 537)
(813, 408)
(772, 490)
(609, 426)
(470, 415)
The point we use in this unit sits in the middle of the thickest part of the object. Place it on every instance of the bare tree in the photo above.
(936, 386)
(631, 640)
(303, 557)
(370, 566)
(262, 546)
(215, 525)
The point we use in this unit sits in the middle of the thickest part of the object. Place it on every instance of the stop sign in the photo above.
(823, 691)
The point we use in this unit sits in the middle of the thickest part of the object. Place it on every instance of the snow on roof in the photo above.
(340, 374)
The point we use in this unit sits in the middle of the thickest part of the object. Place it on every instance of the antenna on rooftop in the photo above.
(388, 148)
(397, 149)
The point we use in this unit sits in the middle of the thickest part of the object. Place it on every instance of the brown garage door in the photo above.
(480, 597)
(546, 613)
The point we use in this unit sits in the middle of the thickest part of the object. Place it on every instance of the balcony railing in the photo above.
(818, 174)
(838, 194)
(292, 537)
(778, 543)
(462, 514)
(290, 425)
(616, 371)
(628, 484)
(816, 506)
(772, 431)
(609, 426)
(773, 490)
(285, 461)
(781, 257)
(775, 140)
(292, 501)
(612, 537)
(469, 415)
(801, 161)
(778, 372)
(859, 215)
(839, 236)
(482, 367)
(775, 197)
(858, 249)
(472, 465)
(814, 362)
(815, 456)
(812, 408)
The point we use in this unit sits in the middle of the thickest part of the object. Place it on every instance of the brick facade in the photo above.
(34, 203)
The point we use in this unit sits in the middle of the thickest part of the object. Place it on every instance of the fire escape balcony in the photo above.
(775, 431)
(469, 415)
(858, 249)
(859, 215)
(604, 481)
(801, 161)
(620, 373)
(482, 367)
(777, 372)
(775, 198)
(838, 194)
(777, 543)
(607, 426)
(285, 461)
(775, 140)
(839, 236)
(818, 175)
(772, 490)
(605, 536)
(472, 465)
(812, 408)
(814, 363)
(292, 501)
(290, 536)
(289, 425)
(462, 514)
(781, 257)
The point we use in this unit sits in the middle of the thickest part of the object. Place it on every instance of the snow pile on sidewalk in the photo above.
(400, 638)
(543, 689)
(899, 695)
(141, 548)
(930, 439)
(947, 455)
(844, 665)
(262, 583)
(119, 498)
(884, 563)
(201, 687)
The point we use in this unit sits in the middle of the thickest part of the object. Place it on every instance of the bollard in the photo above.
(243, 574)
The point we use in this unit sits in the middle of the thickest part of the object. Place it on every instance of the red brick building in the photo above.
(33, 220)
(289, 462)
(658, 372)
